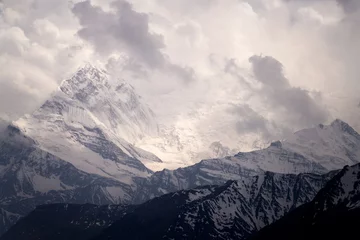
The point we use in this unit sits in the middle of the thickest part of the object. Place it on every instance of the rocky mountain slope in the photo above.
(333, 214)
(231, 211)
(30, 176)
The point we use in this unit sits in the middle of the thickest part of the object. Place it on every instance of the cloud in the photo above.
(290, 104)
(250, 121)
(122, 29)
(36, 52)
(347, 5)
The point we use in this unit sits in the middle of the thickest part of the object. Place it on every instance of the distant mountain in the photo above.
(113, 102)
(231, 211)
(315, 150)
(71, 148)
(332, 146)
(333, 214)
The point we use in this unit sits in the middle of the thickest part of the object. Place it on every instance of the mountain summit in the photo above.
(113, 102)
(332, 146)
(88, 112)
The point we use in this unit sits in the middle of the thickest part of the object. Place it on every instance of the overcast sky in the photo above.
(232, 67)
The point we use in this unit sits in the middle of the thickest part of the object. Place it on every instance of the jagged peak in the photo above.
(84, 75)
(91, 76)
(338, 122)
(89, 70)
(89, 67)
(343, 126)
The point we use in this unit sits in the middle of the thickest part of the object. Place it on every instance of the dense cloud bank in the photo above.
(253, 69)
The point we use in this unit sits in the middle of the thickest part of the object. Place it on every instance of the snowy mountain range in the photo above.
(316, 150)
(308, 206)
(231, 211)
(80, 147)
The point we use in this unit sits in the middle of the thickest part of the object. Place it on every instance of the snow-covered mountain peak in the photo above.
(91, 122)
(111, 100)
(86, 84)
(344, 127)
(92, 86)
(333, 146)
(90, 73)
(337, 127)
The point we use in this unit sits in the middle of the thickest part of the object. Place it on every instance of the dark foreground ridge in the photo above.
(333, 214)
(234, 210)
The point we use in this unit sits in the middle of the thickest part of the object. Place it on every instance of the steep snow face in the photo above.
(73, 135)
(113, 102)
(332, 146)
(84, 122)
